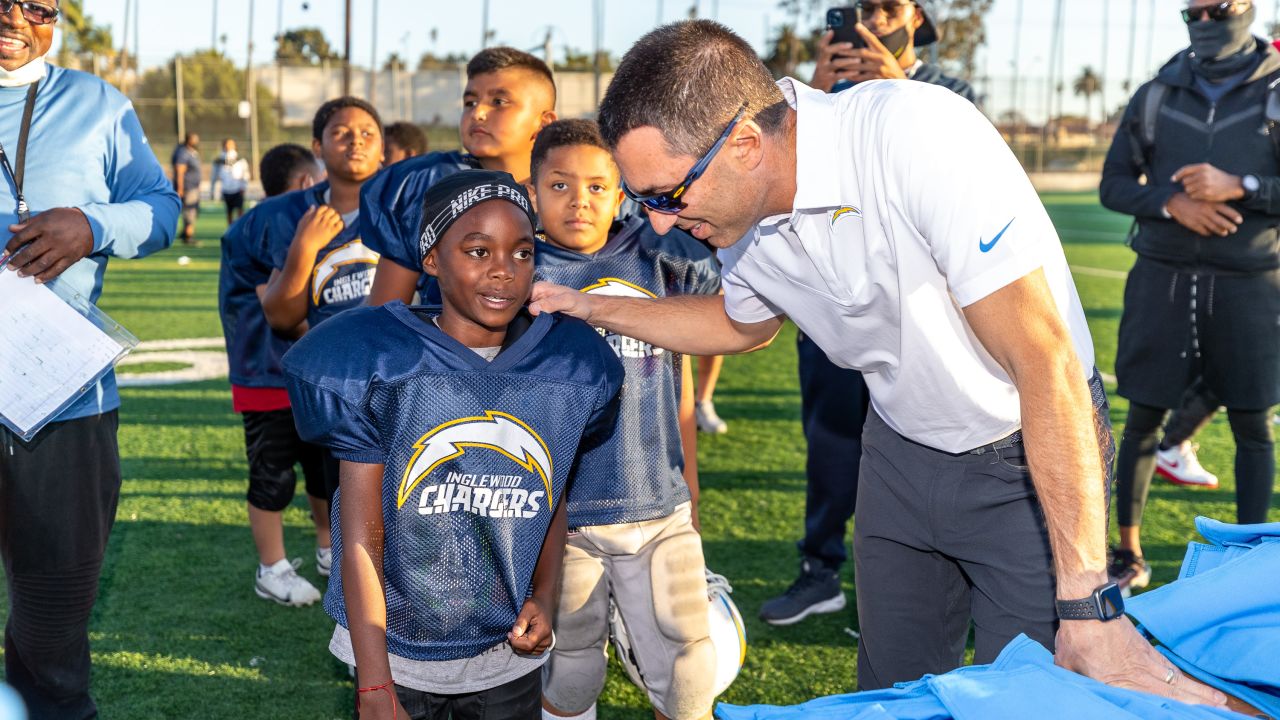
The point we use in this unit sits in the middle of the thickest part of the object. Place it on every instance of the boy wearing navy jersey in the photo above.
(632, 508)
(272, 445)
(510, 96)
(321, 264)
(458, 429)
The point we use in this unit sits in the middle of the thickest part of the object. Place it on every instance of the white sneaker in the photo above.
(1180, 466)
(324, 561)
(281, 583)
(708, 420)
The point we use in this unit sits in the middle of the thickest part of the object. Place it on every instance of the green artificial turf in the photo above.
(178, 631)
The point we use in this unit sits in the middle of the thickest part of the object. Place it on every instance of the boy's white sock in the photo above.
(588, 714)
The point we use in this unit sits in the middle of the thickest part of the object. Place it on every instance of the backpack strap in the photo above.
(1142, 138)
(1271, 114)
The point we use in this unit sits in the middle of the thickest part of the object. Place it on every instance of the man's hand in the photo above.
(531, 632)
(318, 226)
(835, 61)
(548, 297)
(1202, 217)
(875, 62)
(1209, 184)
(50, 243)
(1114, 653)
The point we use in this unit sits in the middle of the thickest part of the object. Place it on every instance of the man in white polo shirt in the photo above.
(893, 225)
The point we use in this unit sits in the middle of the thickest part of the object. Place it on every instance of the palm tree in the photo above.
(1087, 84)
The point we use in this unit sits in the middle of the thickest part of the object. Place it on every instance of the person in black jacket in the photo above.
(1203, 298)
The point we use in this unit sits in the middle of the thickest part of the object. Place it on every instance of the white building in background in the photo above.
(426, 97)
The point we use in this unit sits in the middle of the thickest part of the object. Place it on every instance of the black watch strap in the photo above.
(1106, 603)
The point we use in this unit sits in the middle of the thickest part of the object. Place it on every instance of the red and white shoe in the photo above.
(1179, 465)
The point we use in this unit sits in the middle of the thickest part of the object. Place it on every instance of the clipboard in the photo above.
(55, 346)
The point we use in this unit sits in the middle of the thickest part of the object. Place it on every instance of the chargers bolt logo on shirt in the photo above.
(348, 287)
(622, 345)
(490, 495)
(845, 211)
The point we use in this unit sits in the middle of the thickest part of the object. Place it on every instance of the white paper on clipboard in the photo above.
(50, 352)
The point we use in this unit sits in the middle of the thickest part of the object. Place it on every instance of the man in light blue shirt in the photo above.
(95, 190)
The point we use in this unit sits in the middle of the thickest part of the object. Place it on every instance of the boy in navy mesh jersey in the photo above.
(632, 507)
(457, 429)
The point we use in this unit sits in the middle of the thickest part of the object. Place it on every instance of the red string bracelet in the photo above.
(386, 686)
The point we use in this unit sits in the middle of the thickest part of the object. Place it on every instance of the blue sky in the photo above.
(405, 26)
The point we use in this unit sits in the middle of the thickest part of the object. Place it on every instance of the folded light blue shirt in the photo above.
(87, 151)
(1220, 621)
(1023, 682)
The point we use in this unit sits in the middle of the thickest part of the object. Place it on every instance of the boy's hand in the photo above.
(549, 297)
(380, 704)
(318, 226)
(531, 632)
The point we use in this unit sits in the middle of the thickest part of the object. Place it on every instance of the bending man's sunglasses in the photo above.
(668, 203)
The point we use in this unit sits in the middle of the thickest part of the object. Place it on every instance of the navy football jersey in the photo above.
(391, 203)
(344, 268)
(253, 348)
(476, 454)
(637, 474)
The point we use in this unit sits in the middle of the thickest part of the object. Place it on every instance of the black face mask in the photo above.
(1223, 47)
(896, 41)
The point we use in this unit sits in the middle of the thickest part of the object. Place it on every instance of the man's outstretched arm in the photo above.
(690, 324)
(1066, 468)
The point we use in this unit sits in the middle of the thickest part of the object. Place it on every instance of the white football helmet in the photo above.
(728, 635)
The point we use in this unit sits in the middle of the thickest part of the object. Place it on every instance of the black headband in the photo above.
(448, 199)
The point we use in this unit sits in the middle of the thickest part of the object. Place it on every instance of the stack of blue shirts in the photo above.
(1219, 622)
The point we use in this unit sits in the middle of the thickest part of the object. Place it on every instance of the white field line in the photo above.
(205, 359)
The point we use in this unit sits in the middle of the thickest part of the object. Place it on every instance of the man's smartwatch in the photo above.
(1251, 185)
(1106, 603)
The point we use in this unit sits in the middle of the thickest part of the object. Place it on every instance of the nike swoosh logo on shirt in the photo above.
(986, 246)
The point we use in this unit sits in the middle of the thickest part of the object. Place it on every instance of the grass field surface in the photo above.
(178, 631)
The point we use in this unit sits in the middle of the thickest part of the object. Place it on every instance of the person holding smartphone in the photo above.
(890, 31)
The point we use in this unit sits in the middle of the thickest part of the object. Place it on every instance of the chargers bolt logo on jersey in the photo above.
(485, 494)
(347, 287)
(622, 345)
(843, 211)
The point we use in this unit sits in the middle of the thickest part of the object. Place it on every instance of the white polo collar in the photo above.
(817, 179)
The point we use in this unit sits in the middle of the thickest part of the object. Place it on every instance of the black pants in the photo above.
(58, 498)
(1255, 465)
(943, 540)
(833, 402)
(520, 699)
(273, 447)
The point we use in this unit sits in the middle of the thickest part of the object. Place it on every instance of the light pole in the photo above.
(346, 50)
(251, 96)
(213, 39)
(373, 59)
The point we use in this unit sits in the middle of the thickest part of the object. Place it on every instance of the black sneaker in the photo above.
(1127, 570)
(817, 590)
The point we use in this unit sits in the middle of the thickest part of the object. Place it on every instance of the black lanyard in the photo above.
(24, 213)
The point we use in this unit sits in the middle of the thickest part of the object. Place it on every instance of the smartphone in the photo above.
(841, 21)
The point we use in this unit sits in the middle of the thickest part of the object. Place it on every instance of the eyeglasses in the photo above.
(890, 9)
(668, 203)
(1217, 13)
(35, 13)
